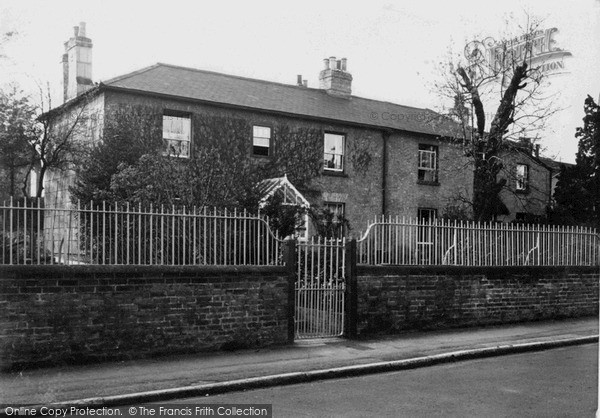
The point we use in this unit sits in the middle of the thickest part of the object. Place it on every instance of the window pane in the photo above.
(261, 142)
(262, 131)
(178, 148)
(427, 159)
(522, 174)
(428, 175)
(338, 210)
(177, 135)
(334, 152)
(260, 150)
(427, 215)
(175, 127)
(334, 143)
(333, 162)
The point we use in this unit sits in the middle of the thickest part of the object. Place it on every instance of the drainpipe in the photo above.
(385, 135)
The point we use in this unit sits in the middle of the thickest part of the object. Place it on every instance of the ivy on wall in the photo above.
(361, 154)
(129, 165)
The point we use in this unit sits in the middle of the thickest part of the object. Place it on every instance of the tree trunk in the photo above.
(40, 182)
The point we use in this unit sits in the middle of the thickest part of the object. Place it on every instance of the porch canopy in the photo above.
(281, 186)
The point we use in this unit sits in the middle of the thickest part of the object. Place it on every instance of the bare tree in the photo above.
(57, 142)
(501, 75)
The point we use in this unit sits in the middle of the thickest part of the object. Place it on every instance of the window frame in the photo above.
(342, 154)
(423, 170)
(167, 141)
(522, 180)
(330, 206)
(270, 138)
(425, 234)
(430, 211)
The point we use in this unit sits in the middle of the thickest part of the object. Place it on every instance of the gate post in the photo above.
(289, 258)
(351, 308)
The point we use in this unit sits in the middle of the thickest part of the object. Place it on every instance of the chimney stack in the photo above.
(335, 79)
(77, 64)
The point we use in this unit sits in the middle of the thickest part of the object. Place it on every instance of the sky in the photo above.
(393, 47)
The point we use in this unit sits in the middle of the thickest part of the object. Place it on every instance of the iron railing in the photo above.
(395, 241)
(126, 235)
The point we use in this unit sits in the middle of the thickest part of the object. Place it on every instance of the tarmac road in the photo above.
(558, 382)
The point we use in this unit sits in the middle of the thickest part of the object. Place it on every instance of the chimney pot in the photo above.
(299, 80)
(332, 63)
(82, 29)
(75, 31)
(305, 83)
(334, 79)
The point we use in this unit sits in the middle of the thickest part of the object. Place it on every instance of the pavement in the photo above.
(177, 377)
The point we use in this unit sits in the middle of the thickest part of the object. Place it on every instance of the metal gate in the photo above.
(320, 288)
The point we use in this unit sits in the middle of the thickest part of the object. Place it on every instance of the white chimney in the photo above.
(77, 64)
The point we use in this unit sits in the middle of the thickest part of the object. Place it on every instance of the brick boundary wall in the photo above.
(392, 299)
(51, 315)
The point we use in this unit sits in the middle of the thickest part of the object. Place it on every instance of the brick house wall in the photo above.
(359, 187)
(360, 192)
(370, 155)
(407, 194)
(535, 199)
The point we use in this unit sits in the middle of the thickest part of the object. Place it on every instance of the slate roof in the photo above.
(218, 88)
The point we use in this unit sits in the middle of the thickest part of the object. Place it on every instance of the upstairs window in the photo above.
(177, 135)
(334, 152)
(428, 163)
(261, 141)
(522, 177)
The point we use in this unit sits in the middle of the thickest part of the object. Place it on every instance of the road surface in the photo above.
(559, 382)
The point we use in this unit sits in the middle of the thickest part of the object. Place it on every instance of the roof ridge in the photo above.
(199, 70)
